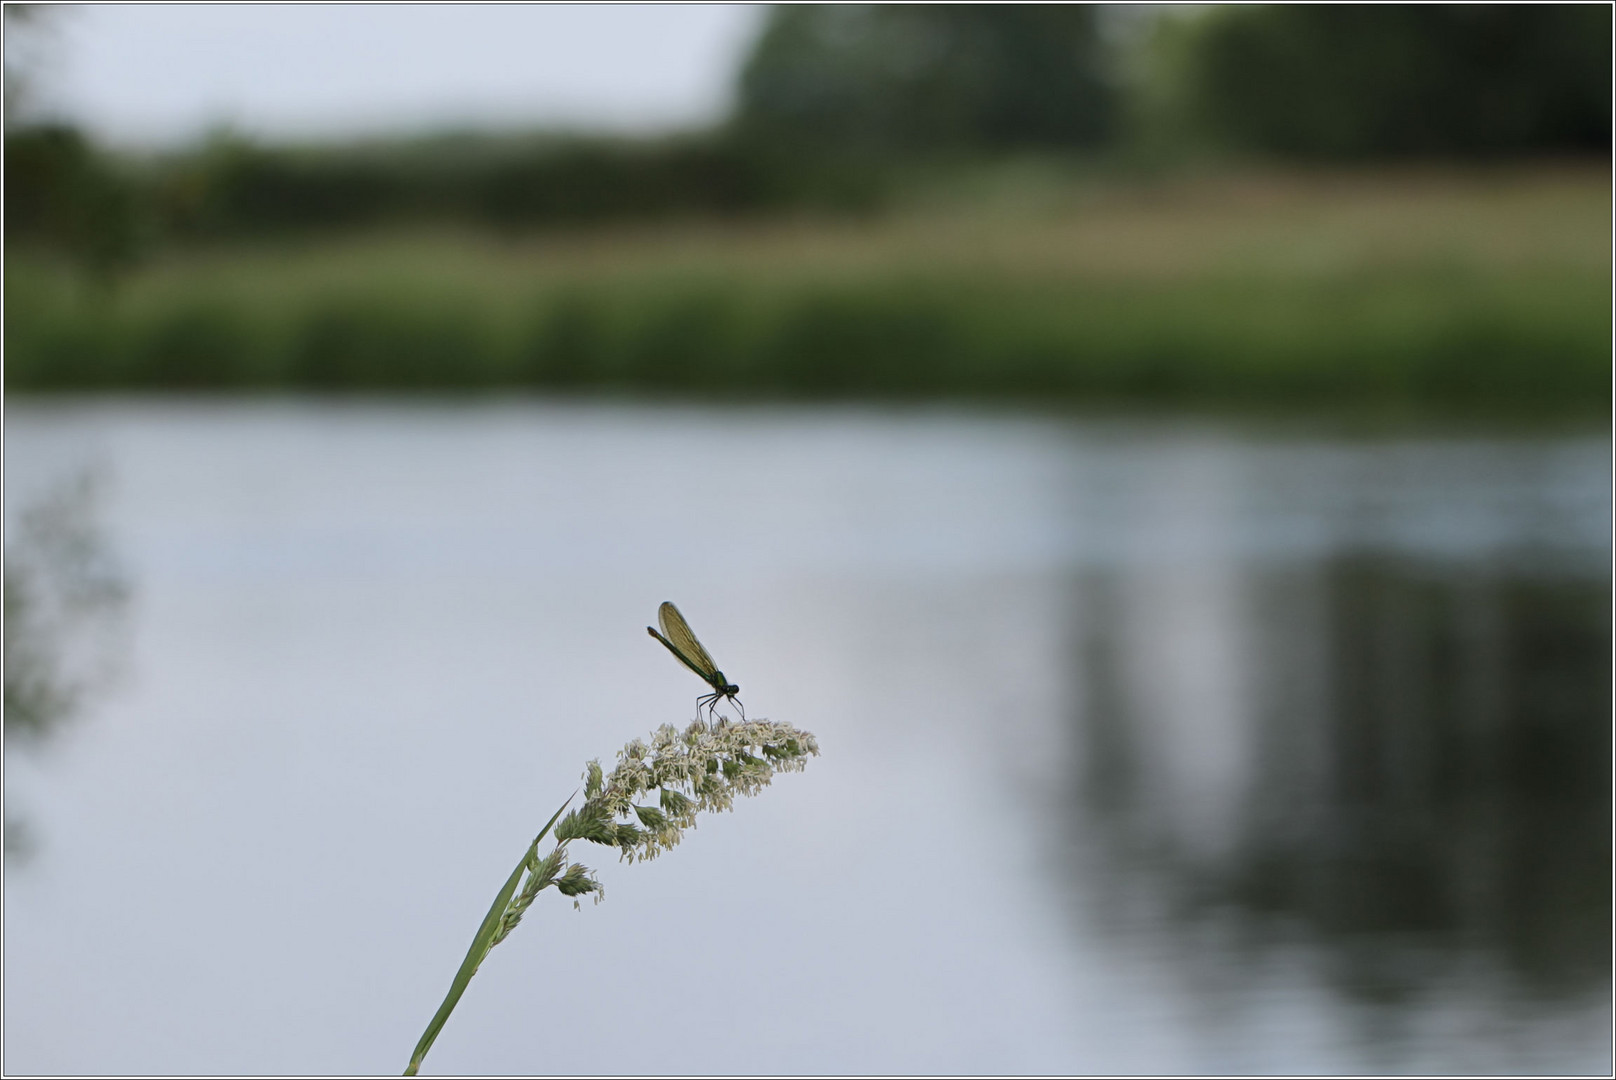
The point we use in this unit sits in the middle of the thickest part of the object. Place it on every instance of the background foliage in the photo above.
(1013, 121)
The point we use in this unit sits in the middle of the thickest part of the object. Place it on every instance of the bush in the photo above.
(1401, 80)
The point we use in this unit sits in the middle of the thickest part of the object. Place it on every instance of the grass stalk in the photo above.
(703, 767)
(484, 941)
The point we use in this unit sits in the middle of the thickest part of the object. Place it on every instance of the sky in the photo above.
(160, 75)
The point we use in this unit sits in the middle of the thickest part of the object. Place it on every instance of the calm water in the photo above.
(1147, 747)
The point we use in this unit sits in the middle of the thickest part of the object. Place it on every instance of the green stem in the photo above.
(479, 947)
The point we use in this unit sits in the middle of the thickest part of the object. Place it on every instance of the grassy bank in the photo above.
(1418, 288)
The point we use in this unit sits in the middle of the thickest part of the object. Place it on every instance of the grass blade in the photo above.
(479, 948)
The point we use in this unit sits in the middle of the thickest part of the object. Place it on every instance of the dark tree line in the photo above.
(962, 78)
(1347, 82)
(831, 94)
(1406, 80)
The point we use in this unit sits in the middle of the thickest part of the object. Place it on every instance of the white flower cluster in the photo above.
(703, 767)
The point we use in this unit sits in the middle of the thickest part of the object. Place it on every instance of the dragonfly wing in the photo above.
(684, 642)
(681, 657)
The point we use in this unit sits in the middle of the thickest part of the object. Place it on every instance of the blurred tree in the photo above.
(61, 194)
(927, 78)
(1400, 80)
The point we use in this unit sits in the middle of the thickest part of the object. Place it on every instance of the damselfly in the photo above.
(676, 635)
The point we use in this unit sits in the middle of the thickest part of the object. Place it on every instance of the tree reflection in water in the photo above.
(1401, 767)
(64, 597)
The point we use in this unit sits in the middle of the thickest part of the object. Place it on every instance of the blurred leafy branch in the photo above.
(64, 597)
(63, 592)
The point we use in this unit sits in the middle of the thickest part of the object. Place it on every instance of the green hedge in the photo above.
(1427, 336)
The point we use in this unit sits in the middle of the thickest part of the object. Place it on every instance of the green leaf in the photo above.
(480, 944)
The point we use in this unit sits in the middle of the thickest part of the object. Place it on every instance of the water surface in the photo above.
(1147, 746)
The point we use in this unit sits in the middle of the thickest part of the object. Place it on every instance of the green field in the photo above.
(1421, 288)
